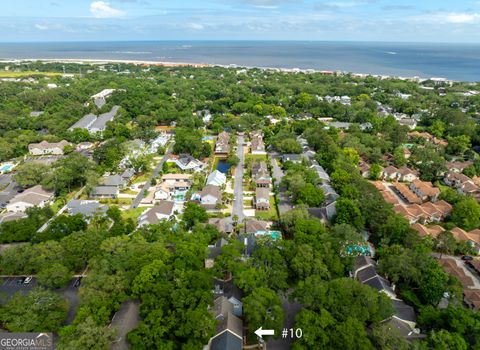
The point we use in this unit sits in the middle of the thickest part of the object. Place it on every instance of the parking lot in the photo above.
(11, 285)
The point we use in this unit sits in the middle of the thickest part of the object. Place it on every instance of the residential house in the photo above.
(431, 231)
(174, 179)
(364, 169)
(210, 197)
(106, 192)
(163, 192)
(426, 212)
(322, 174)
(254, 226)
(262, 198)
(330, 194)
(472, 237)
(389, 173)
(95, 124)
(229, 330)
(223, 225)
(32, 197)
(257, 146)
(100, 98)
(11, 216)
(216, 178)
(404, 318)
(87, 208)
(407, 175)
(188, 163)
(410, 122)
(214, 251)
(113, 181)
(294, 158)
(85, 146)
(223, 143)
(458, 167)
(231, 292)
(405, 193)
(47, 148)
(260, 174)
(164, 210)
(425, 190)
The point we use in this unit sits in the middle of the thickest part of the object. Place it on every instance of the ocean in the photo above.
(452, 61)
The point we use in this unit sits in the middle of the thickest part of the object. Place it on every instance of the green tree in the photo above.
(310, 195)
(444, 340)
(86, 335)
(194, 214)
(349, 213)
(466, 214)
(375, 171)
(30, 174)
(38, 311)
(54, 276)
(457, 145)
(263, 308)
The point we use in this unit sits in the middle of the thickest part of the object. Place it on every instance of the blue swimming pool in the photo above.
(273, 234)
(5, 168)
(207, 138)
(223, 166)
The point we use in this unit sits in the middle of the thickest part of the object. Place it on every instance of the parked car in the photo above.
(467, 258)
(28, 280)
(20, 280)
(77, 282)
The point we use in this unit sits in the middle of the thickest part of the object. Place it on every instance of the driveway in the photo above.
(126, 319)
(238, 187)
(156, 171)
(291, 310)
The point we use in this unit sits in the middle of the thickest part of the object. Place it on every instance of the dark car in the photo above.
(20, 280)
(467, 258)
(77, 282)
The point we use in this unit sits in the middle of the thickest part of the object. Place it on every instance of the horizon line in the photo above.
(240, 40)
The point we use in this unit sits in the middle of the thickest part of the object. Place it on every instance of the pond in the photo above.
(223, 166)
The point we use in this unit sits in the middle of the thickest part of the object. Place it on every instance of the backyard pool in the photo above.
(5, 168)
(273, 234)
(223, 166)
(207, 138)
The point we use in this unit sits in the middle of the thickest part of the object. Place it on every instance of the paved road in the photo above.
(126, 319)
(291, 310)
(155, 173)
(284, 204)
(9, 191)
(238, 188)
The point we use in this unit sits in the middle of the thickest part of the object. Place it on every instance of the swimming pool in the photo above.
(5, 168)
(273, 234)
(207, 138)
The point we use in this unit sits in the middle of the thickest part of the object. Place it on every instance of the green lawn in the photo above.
(270, 214)
(133, 213)
(8, 74)
(256, 157)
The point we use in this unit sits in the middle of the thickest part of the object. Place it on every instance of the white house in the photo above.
(216, 178)
(45, 147)
(163, 211)
(33, 197)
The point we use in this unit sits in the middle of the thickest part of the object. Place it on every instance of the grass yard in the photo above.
(270, 215)
(133, 213)
(8, 74)
(254, 157)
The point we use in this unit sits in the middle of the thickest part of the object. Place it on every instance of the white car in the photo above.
(27, 280)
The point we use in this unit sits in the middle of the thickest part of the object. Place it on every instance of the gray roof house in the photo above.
(113, 180)
(295, 158)
(152, 216)
(95, 124)
(105, 192)
(87, 208)
(232, 292)
(229, 331)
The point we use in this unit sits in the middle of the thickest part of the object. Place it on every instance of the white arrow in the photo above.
(260, 332)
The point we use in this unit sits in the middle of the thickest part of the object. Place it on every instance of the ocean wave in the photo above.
(390, 52)
(132, 52)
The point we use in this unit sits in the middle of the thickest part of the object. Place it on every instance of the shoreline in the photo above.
(230, 66)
